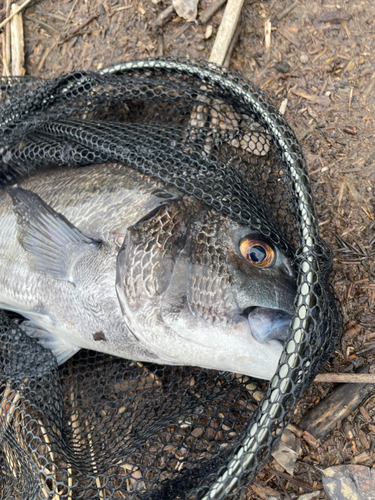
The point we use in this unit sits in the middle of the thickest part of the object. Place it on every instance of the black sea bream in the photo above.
(107, 259)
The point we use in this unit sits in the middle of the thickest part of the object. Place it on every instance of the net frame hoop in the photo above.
(308, 233)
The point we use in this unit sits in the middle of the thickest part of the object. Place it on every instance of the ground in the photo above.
(322, 60)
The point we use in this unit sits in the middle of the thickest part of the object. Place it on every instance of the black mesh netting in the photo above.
(101, 427)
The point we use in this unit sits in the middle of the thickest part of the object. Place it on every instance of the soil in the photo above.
(322, 60)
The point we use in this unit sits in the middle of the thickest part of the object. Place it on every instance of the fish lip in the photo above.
(248, 310)
(252, 310)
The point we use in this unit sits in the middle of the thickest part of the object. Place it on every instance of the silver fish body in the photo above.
(107, 259)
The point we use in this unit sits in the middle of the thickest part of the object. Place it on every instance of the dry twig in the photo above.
(206, 14)
(17, 44)
(352, 253)
(231, 47)
(15, 12)
(163, 17)
(226, 31)
(346, 378)
(286, 11)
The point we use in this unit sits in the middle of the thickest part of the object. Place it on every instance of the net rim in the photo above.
(258, 430)
(308, 232)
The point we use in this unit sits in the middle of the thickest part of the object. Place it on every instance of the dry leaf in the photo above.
(323, 100)
(287, 451)
(355, 195)
(186, 9)
(349, 482)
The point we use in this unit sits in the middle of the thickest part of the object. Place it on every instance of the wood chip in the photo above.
(45, 55)
(267, 34)
(259, 492)
(315, 443)
(352, 332)
(350, 130)
(289, 36)
(363, 439)
(296, 430)
(283, 106)
(365, 414)
(180, 31)
(362, 458)
(208, 32)
(333, 17)
(263, 489)
(316, 99)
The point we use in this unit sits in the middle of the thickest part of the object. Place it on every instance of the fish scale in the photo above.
(101, 258)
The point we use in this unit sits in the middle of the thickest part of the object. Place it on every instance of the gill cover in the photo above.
(144, 268)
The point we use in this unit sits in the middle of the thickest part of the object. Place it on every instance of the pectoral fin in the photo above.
(48, 340)
(52, 242)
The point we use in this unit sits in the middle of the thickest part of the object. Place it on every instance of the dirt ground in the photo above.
(322, 60)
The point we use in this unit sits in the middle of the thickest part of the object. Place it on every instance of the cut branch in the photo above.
(226, 31)
(346, 378)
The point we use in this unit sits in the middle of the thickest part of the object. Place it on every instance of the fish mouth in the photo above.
(268, 324)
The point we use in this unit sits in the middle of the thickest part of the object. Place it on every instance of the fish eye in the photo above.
(257, 252)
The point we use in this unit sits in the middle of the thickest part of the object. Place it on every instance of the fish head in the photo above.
(196, 288)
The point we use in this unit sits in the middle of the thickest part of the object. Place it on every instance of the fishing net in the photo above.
(101, 427)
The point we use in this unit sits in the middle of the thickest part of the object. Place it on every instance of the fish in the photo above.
(105, 258)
